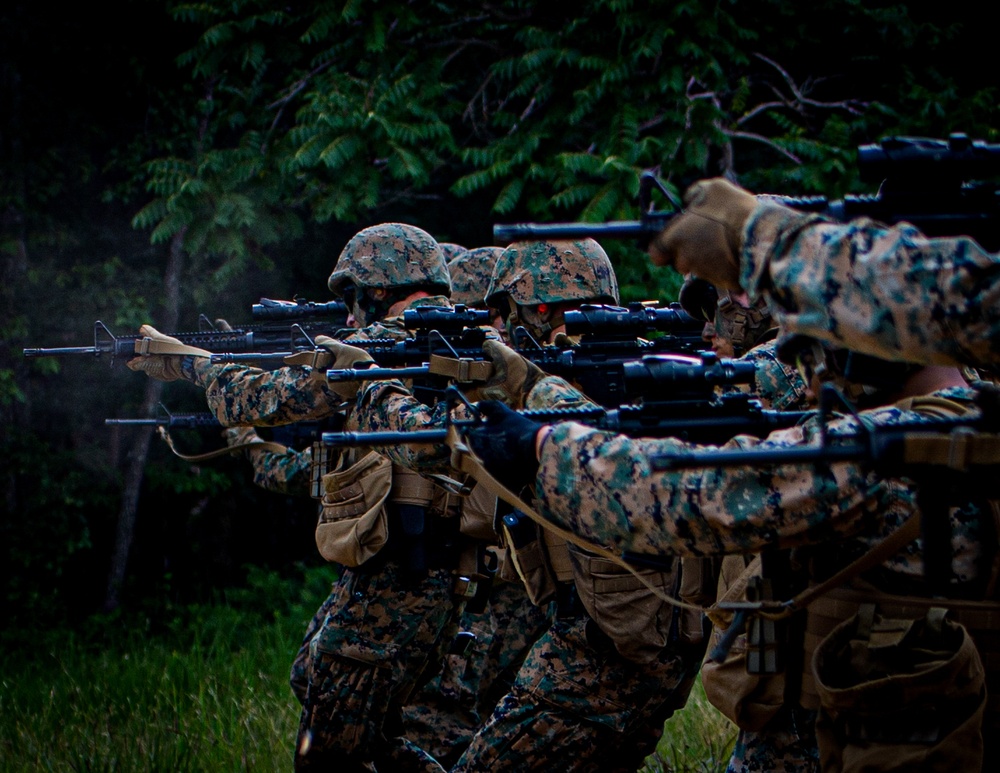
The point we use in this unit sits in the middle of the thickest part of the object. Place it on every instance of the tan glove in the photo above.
(707, 238)
(513, 376)
(162, 367)
(342, 356)
(237, 436)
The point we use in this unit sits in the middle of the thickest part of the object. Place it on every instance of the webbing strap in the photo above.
(462, 458)
(263, 445)
(148, 345)
(462, 370)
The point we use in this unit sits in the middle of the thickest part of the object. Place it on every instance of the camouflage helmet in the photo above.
(391, 255)
(532, 273)
(452, 250)
(471, 274)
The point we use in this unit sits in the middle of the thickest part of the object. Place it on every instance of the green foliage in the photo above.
(141, 703)
(253, 137)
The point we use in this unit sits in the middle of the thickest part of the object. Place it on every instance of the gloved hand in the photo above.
(513, 376)
(162, 367)
(506, 445)
(707, 238)
(236, 436)
(343, 356)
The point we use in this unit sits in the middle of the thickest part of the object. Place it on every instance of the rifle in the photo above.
(294, 435)
(428, 324)
(933, 184)
(610, 338)
(288, 325)
(678, 398)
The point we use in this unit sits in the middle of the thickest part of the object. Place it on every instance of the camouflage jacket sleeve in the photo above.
(886, 291)
(603, 487)
(241, 395)
(287, 473)
(388, 406)
(283, 472)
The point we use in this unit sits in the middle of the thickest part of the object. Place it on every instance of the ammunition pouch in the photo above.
(749, 700)
(899, 694)
(528, 555)
(980, 618)
(353, 524)
(638, 622)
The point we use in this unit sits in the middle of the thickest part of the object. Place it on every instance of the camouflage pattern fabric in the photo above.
(450, 250)
(531, 273)
(445, 714)
(576, 703)
(787, 743)
(777, 385)
(380, 633)
(889, 292)
(579, 706)
(470, 275)
(603, 487)
(391, 256)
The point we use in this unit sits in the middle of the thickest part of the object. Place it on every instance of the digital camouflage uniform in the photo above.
(603, 487)
(576, 703)
(886, 291)
(470, 275)
(491, 642)
(385, 626)
(788, 741)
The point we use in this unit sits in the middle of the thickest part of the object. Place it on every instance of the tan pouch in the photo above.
(635, 619)
(527, 554)
(748, 700)
(899, 694)
(479, 511)
(353, 524)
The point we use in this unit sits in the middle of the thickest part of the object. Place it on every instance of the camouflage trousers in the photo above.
(299, 676)
(476, 671)
(381, 637)
(577, 705)
(786, 743)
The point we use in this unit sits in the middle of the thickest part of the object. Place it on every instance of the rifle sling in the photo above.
(462, 370)
(463, 459)
(147, 345)
(263, 445)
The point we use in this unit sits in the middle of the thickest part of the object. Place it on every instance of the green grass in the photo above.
(145, 706)
(696, 739)
(209, 693)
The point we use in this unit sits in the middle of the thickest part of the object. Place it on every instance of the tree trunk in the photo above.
(139, 451)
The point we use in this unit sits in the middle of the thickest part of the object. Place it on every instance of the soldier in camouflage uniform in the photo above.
(584, 699)
(493, 640)
(387, 619)
(605, 488)
(734, 326)
(733, 323)
(887, 291)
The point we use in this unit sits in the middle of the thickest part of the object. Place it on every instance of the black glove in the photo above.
(506, 445)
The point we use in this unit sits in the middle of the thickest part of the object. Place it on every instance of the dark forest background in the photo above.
(161, 160)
